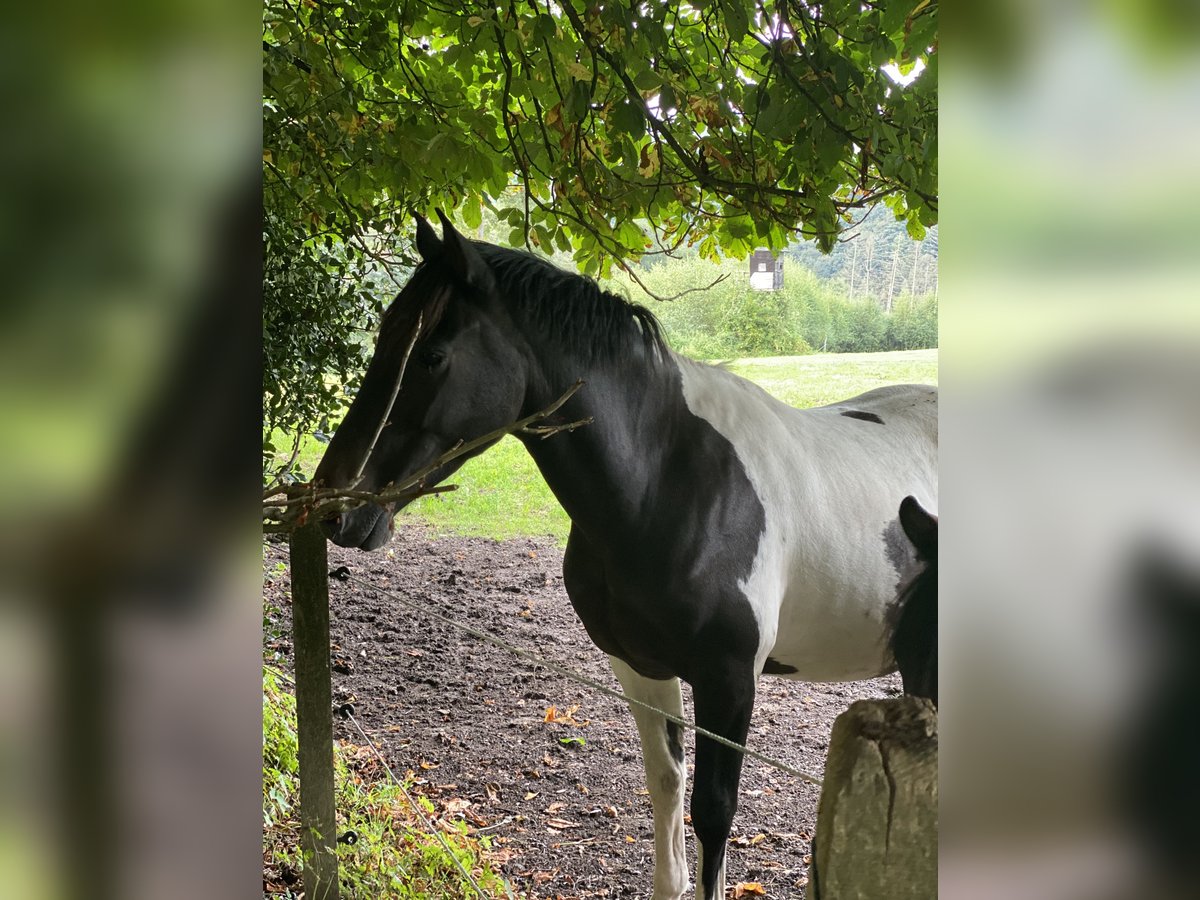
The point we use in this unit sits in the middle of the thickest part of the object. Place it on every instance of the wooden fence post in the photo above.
(877, 821)
(314, 712)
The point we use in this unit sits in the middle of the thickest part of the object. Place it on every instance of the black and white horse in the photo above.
(716, 533)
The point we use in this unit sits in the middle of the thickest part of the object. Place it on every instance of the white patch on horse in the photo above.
(666, 775)
(829, 484)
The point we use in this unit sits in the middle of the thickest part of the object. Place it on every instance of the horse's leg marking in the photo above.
(662, 756)
(723, 705)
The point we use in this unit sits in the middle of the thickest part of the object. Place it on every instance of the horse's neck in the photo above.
(601, 473)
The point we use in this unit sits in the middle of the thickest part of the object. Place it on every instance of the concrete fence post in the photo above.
(877, 822)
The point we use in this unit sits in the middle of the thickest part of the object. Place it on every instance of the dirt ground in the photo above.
(564, 801)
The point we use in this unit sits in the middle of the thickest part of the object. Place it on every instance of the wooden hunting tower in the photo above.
(766, 271)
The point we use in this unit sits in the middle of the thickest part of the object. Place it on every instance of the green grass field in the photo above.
(501, 493)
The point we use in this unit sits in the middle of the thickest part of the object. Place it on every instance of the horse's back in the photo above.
(830, 480)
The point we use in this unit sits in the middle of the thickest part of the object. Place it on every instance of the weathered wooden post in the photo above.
(314, 712)
(877, 823)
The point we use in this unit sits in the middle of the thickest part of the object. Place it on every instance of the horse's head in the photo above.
(465, 377)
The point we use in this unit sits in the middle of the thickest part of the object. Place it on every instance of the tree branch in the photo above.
(291, 506)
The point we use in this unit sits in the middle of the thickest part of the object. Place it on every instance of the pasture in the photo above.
(501, 495)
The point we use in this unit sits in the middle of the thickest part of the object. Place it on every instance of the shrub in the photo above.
(913, 324)
(729, 319)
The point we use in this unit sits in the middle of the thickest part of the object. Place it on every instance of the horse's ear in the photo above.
(428, 244)
(461, 257)
(920, 526)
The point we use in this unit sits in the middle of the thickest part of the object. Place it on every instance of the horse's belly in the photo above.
(832, 648)
(830, 632)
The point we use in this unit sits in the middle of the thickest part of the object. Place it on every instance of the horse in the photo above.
(717, 534)
(914, 637)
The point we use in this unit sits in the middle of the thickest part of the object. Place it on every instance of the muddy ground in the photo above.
(564, 801)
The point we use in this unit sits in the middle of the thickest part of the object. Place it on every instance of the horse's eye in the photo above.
(431, 358)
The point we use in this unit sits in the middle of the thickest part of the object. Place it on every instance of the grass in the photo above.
(501, 493)
(393, 855)
(829, 377)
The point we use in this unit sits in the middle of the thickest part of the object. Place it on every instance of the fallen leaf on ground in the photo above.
(744, 888)
(564, 717)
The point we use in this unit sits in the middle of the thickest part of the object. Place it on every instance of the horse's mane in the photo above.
(572, 308)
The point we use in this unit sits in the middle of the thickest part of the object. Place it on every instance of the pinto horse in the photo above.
(716, 533)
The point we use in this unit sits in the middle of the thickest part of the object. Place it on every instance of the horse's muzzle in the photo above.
(364, 528)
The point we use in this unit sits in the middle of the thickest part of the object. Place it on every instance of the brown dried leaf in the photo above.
(744, 888)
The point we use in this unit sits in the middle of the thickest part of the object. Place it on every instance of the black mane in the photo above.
(572, 308)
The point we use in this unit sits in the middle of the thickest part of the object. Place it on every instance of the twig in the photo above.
(387, 413)
(545, 431)
(293, 505)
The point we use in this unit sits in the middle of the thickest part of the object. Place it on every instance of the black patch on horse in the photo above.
(674, 742)
(864, 416)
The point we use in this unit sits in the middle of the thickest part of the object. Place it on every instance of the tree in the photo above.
(724, 123)
(607, 130)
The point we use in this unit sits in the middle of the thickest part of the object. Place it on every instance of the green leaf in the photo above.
(627, 119)
(737, 19)
(647, 80)
(578, 100)
(472, 213)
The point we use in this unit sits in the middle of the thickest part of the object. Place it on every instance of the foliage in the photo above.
(875, 258)
(280, 760)
(728, 319)
(913, 323)
(314, 298)
(711, 123)
(603, 131)
(392, 856)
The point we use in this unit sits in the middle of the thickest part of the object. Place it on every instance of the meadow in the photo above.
(502, 495)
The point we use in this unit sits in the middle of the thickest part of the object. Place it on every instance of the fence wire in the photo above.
(342, 573)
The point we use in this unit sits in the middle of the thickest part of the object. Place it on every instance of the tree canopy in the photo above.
(608, 131)
(631, 127)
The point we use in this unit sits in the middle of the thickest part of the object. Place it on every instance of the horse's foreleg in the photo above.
(723, 706)
(662, 756)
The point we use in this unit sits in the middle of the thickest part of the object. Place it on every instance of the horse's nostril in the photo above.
(332, 527)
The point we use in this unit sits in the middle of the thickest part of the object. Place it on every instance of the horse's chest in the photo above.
(660, 625)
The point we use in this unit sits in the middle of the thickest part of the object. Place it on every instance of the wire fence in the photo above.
(342, 573)
(427, 824)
